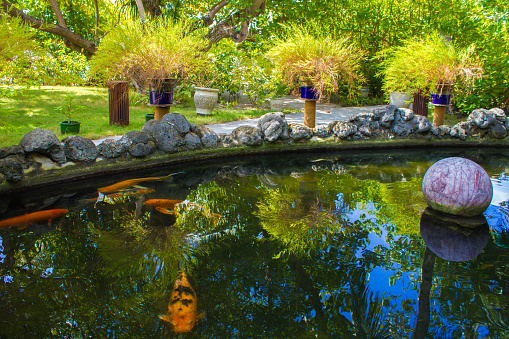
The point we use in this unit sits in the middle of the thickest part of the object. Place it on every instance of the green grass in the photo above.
(35, 108)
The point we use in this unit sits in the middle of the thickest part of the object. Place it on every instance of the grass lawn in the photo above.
(35, 108)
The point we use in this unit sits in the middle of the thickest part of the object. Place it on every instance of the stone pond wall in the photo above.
(41, 149)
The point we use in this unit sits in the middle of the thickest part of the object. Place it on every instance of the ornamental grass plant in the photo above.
(312, 54)
(154, 49)
(429, 64)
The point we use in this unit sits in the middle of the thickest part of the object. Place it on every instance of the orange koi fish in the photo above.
(25, 219)
(164, 203)
(182, 308)
(129, 183)
(115, 197)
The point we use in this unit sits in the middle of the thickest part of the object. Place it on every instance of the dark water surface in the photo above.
(334, 245)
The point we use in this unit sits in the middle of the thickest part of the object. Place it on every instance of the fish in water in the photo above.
(163, 203)
(116, 197)
(182, 308)
(167, 206)
(38, 216)
(129, 183)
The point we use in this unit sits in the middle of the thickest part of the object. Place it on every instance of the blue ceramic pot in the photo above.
(308, 93)
(437, 99)
(161, 98)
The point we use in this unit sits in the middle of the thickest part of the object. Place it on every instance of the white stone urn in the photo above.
(400, 99)
(276, 104)
(205, 99)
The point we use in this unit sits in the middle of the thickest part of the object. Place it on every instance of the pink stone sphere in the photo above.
(457, 186)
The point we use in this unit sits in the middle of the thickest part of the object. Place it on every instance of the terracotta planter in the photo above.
(205, 99)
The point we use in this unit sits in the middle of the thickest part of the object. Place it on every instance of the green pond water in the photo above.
(336, 245)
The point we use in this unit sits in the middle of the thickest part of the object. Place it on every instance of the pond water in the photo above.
(330, 245)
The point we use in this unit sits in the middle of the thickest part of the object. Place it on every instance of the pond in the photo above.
(330, 245)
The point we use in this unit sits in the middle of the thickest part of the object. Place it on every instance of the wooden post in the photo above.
(309, 113)
(118, 93)
(160, 111)
(439, 115)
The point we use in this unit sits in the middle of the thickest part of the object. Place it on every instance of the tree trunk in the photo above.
(77, 43)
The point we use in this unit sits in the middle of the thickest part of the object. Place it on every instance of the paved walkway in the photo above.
(325, 113)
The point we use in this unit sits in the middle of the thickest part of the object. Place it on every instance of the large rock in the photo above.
(406, 114)
(180, 122)
(11, 169)
(110, 148)
(273, 126)
(497, 130)
(192, 141)
(79, 149)
(457, 186)
(15, 150)
(139, 144)
(389, 116)
(43, 141)
(344, 129)
(247, 135)
(421, 124)
(461, 130)
(402, 129)
(322, 131)
(499, 114)
(208, 137)
(482, 118)
(165, 135)
(300, 132)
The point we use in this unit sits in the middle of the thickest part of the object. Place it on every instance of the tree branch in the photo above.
(228, 27)
(58, 13)
(78, 43)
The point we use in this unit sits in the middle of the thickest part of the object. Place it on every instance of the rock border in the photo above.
(40, 156)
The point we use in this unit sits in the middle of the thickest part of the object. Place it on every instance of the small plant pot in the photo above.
(72, 127)
(205, 99)
(149, 116)
(308, 93)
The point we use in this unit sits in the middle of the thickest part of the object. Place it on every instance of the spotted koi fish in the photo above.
(182, 308)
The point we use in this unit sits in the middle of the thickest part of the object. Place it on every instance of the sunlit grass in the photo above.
(35, 108)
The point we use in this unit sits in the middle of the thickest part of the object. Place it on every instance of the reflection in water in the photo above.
(183, 306)
(453, 238)
(304, 248)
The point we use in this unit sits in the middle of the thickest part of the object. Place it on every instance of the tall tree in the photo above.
(234, 23)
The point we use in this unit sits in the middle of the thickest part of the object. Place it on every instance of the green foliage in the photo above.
(492, 90)
(69, 108)
(62, 66)
(21, 58)
(428, 64)
(155, 49)
(310, 53)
